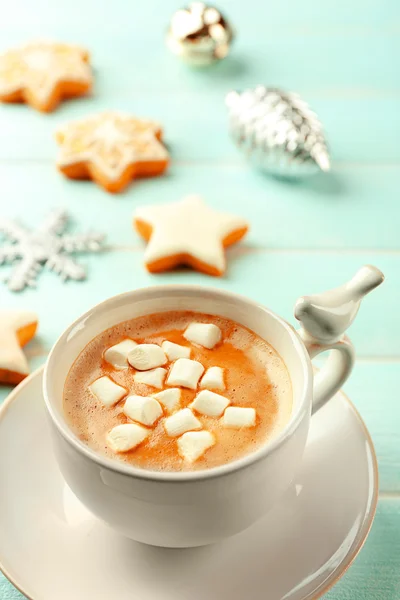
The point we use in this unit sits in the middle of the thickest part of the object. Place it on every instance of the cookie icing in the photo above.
(39, 69)
(188, 232)
(112, 142)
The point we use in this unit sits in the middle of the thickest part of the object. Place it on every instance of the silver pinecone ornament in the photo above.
(277, 131)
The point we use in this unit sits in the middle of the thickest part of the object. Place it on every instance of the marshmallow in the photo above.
(213, 379)
(123, 438)
(155, 377)
(180, 422)
(117, 355)
(209, 404)
(204, 334)
(147, 356)
(186, 373)
(175, 351)
(237, 417)
(169, 398)
(108, 392)
(193, 444)
(144, 409)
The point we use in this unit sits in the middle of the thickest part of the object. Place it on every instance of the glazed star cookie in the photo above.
(187, 232)
(111, 148)
(17, 328)
(43, 73)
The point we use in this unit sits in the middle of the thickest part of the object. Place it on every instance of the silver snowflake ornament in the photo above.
(277, 131)
(47, 246)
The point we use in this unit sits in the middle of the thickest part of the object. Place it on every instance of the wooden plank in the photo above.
(375, 573)
(353, 208)
(275, 280)
(360, 128)
(297, 62)
(306, 17)
(373, 388)
(8, 591)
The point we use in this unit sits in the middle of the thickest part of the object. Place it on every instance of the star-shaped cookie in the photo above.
(17, 328)
(43, 73)
(187, 232)
(111, 148)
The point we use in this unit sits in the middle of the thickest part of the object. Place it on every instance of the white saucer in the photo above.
(51, 547)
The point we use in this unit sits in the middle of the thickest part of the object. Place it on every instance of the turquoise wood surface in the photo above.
(343, 58)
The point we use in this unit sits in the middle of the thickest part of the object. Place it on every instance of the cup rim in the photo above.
(184, 476)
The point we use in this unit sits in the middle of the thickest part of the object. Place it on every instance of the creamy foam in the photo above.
(255, 376)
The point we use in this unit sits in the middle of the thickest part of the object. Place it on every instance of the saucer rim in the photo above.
(331, 582)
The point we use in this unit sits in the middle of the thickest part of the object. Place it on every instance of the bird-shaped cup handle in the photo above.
(324, 319)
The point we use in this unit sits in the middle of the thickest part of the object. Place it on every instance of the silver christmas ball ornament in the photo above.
(199, 34)
(277, 131)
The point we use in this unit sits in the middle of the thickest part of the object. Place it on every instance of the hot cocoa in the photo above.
(177, 391)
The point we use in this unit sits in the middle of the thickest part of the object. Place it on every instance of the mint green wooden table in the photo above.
(343, 58)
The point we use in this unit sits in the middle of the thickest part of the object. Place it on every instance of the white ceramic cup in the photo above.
(199, 507)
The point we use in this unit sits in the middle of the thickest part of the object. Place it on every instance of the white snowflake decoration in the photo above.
(47, 246)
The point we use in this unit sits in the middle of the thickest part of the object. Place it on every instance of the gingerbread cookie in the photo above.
(112, 149)
(187, 233)
(17, 328)
(43, 73)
